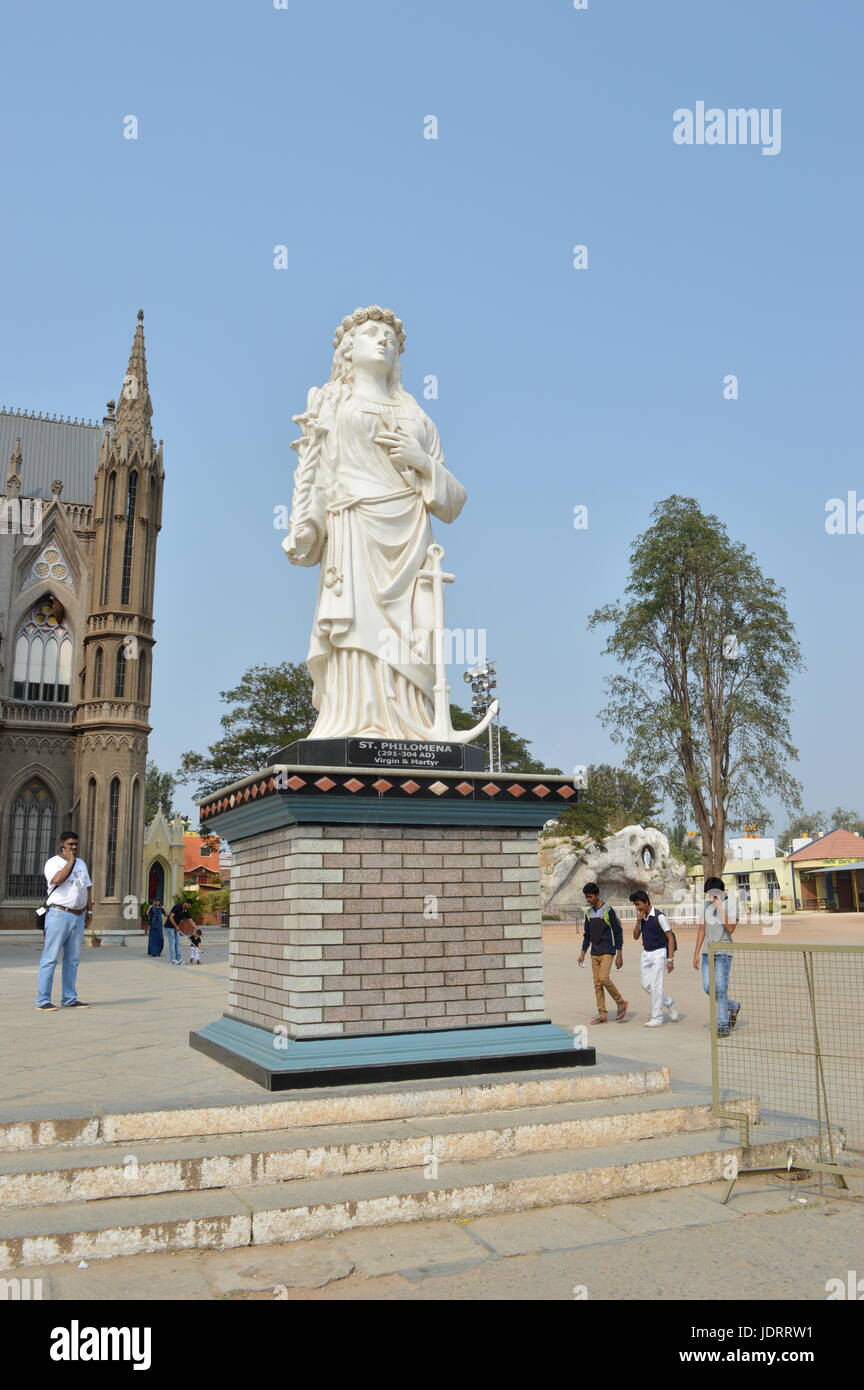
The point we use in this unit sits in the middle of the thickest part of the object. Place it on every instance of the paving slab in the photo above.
(274, 1268)
(678, 1207)
(550, 1228)
(425, 1244)
(175, 1278)
(759, 1258)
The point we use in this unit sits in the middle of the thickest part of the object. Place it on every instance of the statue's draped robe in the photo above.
(370, 656)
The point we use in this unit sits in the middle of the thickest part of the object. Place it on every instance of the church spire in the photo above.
(13, 478)
(135, 408)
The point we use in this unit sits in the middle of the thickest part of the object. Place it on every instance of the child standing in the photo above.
(658, 952)
(195, 947)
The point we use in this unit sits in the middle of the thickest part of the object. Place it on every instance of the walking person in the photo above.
(658, 956)
(720, 921)
(69, 904)
(603, 932)
(155, 938)
(179, 913)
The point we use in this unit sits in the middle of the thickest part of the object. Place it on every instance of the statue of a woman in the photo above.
(371, 471)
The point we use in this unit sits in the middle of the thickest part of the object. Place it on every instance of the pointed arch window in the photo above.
(149, 545)
(142, 679)
(111, 837)
(31, 839)
(134, 837)
(98, 671)
(129, 540)
(120, 673)
(42, 668)
(109, 535)
(89, 848)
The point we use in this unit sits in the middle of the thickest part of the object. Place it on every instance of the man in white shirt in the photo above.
(70, 909)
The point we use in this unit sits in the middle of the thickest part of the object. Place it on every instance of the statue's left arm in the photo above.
(443, 494)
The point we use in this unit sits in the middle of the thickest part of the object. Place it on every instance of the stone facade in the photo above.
(76, 639)
(354, 929)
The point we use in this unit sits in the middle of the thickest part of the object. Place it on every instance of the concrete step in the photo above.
(336, 1105)
(270, 1213)
(110, 1171)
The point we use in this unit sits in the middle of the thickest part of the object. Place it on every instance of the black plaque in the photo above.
(397, 754)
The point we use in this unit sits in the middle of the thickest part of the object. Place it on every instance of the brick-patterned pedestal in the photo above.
(365, 929)
(384, 926)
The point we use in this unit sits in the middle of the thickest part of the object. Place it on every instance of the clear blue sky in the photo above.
(558, 387)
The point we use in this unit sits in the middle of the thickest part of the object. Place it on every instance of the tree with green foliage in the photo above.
(706, 650)
(681, 845)
(612, 798)
(158, 792)
(810, 823)
(272, 706)
(816, 823)
(841, 819)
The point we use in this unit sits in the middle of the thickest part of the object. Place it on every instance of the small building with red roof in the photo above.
(829, 872)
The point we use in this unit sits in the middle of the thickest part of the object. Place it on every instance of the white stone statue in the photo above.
(371, 472)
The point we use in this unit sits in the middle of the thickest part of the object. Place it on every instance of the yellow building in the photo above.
(163, 859)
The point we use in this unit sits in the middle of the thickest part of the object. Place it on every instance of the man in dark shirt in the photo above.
(603, 932)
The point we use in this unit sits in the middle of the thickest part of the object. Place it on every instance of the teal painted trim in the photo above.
(287, 809)
(279, 1055)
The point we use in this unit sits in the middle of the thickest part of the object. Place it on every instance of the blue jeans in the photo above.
(722, 966)
(173, 936)
(64, 931)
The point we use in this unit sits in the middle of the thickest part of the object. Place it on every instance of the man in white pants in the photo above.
(658, 953)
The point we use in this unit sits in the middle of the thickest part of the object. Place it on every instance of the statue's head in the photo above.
(369, 337)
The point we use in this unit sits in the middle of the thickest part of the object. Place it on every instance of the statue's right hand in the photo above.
(298, 544)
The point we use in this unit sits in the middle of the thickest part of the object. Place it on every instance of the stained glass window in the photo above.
(31, 841)
(120, 673)
(129, 541)
(111, 839)
(109, 536)
(43, 656)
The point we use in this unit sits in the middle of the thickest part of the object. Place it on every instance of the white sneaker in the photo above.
(672, 1012)
(653, 1023)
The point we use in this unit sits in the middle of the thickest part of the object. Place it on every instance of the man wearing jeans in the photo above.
(69, 904)
(720, 921)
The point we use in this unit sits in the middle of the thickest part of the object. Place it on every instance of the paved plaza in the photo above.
(131, 1051)
(777, 1238)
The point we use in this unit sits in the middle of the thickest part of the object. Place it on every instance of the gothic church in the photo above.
(79, 520)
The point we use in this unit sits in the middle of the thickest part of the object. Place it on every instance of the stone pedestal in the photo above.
(384, 925)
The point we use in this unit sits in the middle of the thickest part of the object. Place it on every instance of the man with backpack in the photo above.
(603, 932)
(658, 956)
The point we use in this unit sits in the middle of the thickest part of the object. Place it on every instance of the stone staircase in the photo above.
(219, 1177)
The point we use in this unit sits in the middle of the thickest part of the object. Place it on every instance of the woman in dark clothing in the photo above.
(155, 937)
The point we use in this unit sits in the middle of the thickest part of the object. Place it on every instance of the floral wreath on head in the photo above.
(374, 311)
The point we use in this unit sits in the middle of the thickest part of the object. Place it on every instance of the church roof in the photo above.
(51, 448)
